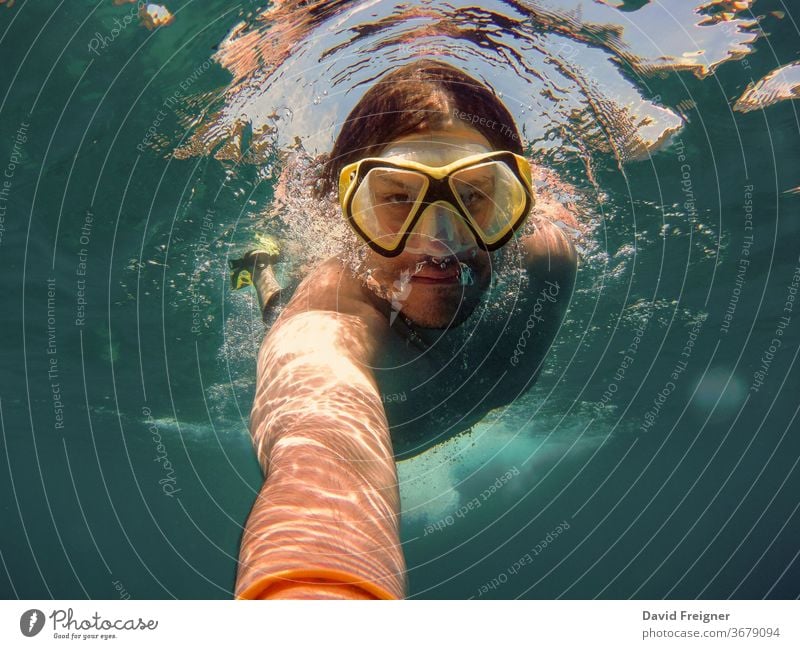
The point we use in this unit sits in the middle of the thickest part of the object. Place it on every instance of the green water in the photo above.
(128, 365)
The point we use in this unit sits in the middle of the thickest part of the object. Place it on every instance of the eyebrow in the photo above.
(386, 178)
(482, 181)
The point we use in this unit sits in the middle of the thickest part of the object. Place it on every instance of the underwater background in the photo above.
(656, 457)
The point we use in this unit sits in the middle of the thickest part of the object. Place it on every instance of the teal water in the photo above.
(128, 364)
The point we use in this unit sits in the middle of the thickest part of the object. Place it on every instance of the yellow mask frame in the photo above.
(439, 185)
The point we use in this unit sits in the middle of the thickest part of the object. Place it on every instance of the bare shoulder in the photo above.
(330, 287)
(329, 307)
(549, 250)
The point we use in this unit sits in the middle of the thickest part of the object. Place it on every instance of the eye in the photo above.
(396, 197)
(473, 196)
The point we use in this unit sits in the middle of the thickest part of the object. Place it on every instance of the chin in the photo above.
(441, 312)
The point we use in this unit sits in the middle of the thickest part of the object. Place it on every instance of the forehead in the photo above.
(438, 147)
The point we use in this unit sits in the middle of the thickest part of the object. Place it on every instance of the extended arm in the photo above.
(325, 524)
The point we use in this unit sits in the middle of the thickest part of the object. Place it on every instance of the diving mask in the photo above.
(430, 198)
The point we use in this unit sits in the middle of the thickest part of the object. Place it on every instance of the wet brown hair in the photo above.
(420, 95)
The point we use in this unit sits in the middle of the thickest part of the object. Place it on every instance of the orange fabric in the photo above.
(317, 589)
(271, 586)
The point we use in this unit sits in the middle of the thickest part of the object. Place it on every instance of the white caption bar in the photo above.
(350, 625)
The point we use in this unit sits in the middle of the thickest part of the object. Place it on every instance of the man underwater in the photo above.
(431, 178)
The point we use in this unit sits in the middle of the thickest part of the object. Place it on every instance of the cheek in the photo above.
(385, 269)
(393, 266)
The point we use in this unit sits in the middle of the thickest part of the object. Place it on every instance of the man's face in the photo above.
(437, 281)
(436, 293)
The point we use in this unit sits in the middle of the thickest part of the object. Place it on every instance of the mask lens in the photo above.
(440, 231)
(385, 202)
(492, 196)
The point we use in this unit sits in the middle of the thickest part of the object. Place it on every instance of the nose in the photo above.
(440, 231)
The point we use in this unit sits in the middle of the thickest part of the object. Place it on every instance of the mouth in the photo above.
(445, 271)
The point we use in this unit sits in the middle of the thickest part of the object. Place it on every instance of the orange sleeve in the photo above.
(313, 584)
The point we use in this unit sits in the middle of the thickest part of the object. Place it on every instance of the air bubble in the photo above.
(465, 276)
